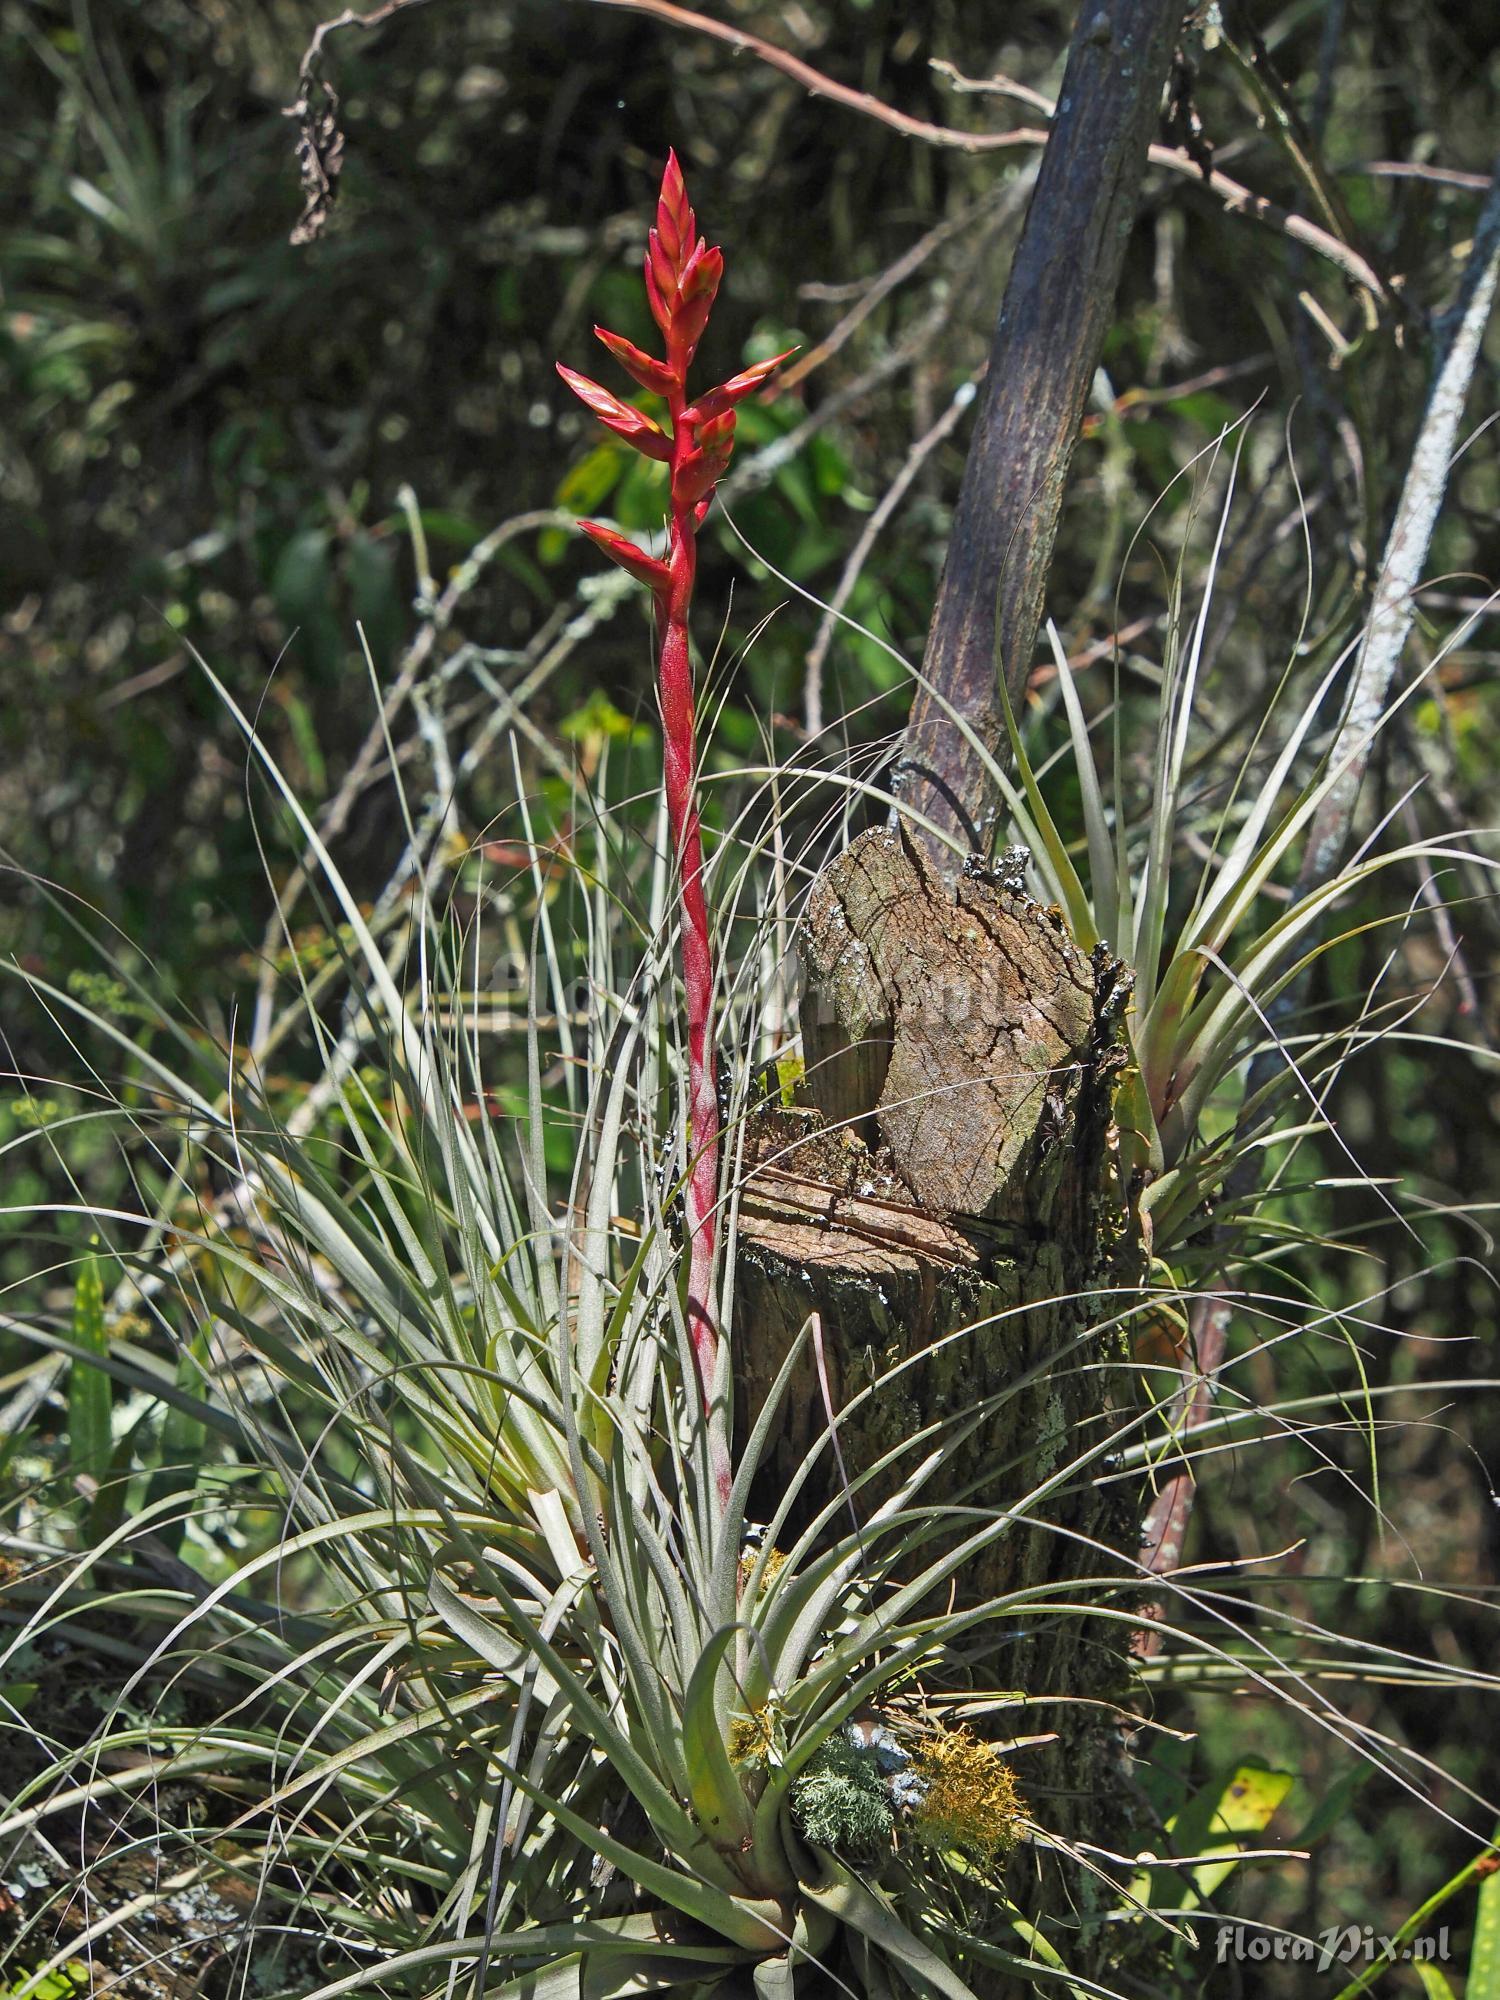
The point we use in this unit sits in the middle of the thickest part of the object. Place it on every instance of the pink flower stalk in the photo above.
(682, 280)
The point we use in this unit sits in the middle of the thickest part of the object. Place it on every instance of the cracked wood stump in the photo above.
(950, 1187)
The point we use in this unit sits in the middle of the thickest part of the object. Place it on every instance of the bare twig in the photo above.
(1238, 200)
(366, 765)
(320, 141)
(1004, 205)
(1234, 197)
(762, 466)
(817, 84)
(991, 86)
(1394, 605)
(1414, 170)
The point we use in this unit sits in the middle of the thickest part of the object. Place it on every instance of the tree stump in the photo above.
(949, 1187)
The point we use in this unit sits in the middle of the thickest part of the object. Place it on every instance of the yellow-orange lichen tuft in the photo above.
(971, 1802)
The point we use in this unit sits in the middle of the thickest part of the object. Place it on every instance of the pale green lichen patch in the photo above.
(842, 1802)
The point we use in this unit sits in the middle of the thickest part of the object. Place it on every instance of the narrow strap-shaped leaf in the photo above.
(867, 1912)
(718, 1796)
(671, 1822)
(89, 1395)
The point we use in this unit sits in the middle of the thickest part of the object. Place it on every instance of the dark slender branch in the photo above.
(1057, 308)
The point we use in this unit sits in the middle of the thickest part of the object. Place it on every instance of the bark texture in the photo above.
(951, 1171)
(1059, 301)
(948, 1192)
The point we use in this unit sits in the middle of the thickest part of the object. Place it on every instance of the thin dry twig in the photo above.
(367, 764)
(320, 142)
(1414, 170)
(994, 208)
(1235, 198)
(991, 86)
(817, 84)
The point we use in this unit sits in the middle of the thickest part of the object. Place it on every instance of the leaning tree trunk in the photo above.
(951, 1171)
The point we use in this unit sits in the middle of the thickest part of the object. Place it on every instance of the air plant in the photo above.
(682, 281)
(552, 1715)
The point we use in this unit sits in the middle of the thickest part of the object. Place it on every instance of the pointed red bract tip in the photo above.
(648, 371)
(739, 386)
(648, 570)
(675, 223)
(631, 424)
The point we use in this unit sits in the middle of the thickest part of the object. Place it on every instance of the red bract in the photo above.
(648, 371)
(633, 425)
(649, 570)
(682, 280)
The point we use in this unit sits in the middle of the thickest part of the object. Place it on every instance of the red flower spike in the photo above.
(692, 480)
(738, 387)
(675, 221)
(648, 371)
(701, 273)
(682, 275)
(648, 570)
(716, 433)
(696, 472)
(663, 269)
(633, 425)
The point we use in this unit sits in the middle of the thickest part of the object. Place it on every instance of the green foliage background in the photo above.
(205, 433)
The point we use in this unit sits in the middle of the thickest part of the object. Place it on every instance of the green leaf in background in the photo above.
(1335, 1803)
(1484, 1955)
(590, 482)
(597, 721)
(302, 586)
(182, 1440)
(1215, 1822)
(446, 524)
(88, 1386)
(1434, 1985)
(305, 736)
(59, 1985)
(370, 570)
(1244, 1809)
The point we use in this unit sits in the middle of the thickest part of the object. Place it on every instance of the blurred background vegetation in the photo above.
(213, 440)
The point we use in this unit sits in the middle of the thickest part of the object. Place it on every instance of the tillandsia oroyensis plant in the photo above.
(682, 280)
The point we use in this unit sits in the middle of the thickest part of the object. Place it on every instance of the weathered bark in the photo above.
(948, 1192)
(1059, 301)
(952, 1170)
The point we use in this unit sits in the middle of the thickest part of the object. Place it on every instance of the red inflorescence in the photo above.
(682, 281)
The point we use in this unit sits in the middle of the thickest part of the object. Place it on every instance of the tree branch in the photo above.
(1058, 303)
